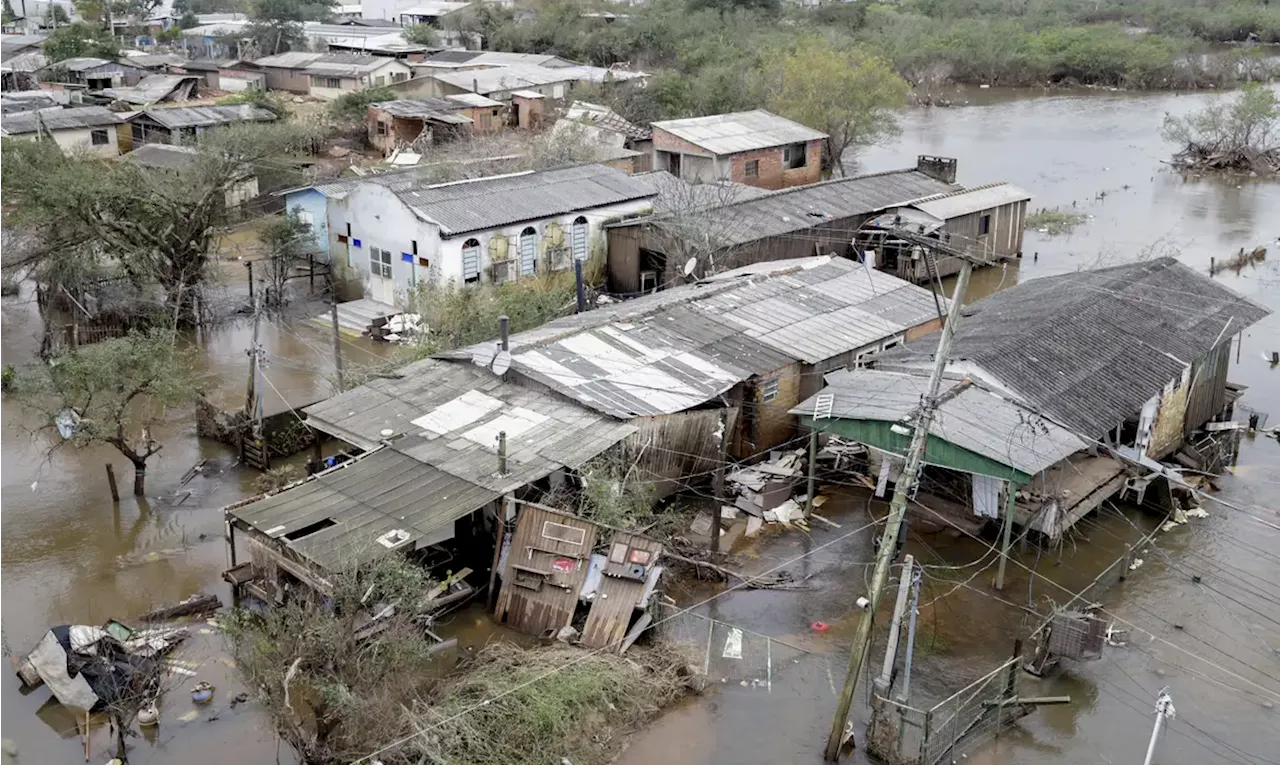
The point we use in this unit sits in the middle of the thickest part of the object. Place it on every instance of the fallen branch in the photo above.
(779, 581)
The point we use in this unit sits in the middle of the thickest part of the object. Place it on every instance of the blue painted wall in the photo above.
(315, 204)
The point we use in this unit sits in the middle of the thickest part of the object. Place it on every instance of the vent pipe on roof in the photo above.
(504, 330)
(502, 452)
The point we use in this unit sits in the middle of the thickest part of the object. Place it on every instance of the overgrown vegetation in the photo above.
(337, 696)
(1241, 134)
(351, 107)
(1053, 221)
(610, 498)
(514, 706)
(286, 239)
(78, 40)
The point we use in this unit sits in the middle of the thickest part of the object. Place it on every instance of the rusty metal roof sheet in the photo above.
(194, 116)
(1090, 348)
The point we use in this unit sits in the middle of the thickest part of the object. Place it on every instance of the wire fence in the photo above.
(726, 653)
(900, 734)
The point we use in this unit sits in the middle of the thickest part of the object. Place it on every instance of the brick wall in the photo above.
(770, 172)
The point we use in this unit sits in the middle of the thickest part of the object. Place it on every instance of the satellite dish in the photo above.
(689, 265)
(501, 363)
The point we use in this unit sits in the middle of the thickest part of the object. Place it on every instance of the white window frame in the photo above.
(552, 526)
(770, 389)
(380, 261)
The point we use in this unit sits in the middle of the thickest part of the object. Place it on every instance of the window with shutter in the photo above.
(471, 261)
(528, 251)
(580, 230)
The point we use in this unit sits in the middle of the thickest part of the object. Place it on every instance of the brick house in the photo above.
(756, 148)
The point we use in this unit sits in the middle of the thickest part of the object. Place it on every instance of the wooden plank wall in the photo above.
(618, 596)
(552, 603)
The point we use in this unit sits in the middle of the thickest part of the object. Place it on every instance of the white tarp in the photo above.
(50, 660)
(986, 496)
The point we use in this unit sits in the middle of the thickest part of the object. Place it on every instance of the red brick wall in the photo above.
(771, 173)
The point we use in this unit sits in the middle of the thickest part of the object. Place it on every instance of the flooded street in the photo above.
(69, 556)
(1211, 643)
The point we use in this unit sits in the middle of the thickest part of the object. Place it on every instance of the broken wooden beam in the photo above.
(196, 604)
(1028, 701)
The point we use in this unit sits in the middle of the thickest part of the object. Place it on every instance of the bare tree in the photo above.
(696, 224)
(286, 239)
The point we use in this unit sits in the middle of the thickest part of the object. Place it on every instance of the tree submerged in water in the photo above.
(1242, 135)
(113, 392)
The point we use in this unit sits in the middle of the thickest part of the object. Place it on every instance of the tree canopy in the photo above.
(847, 93)
(79, 40)
(118, 391)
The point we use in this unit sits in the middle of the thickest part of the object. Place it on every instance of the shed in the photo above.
(546, 563)
(171, 125)
(630, 571)
(982, 444)
(647, 253)
(155, 88)
(95, 73)
(84, 128)
(753, 147)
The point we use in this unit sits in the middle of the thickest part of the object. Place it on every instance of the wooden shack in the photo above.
(630, 572)
(546, 564)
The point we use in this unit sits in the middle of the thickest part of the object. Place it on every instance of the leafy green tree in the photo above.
(1246, 129)
(422, 34)
(113, 392)
(79, 40)
(56, 16)
(850, 94)
(286, 239)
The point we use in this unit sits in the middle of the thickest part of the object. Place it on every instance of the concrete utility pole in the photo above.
(902, 492)
(718, 481)
(1006, 532)
(337, 334)
(1164, 711)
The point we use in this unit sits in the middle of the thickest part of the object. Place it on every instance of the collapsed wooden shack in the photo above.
(550, 567)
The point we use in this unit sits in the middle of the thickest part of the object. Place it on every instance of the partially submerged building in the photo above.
(1055, 388)
(433, 480)
(649, 252)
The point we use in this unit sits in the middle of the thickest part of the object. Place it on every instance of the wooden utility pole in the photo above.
(902, 493)
(337, 336)
(111, 479)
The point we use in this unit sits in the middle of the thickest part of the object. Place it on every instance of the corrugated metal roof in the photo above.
(59, 119)
(976, 419)
(163, 155)
(84, 63)
(510, 77)
(803, 207)
(448, 415)
(473, 99)
(739, 131)
(363, 499)
(419, 107)
(193, 116)
(1090, 348)
(29, 60)
(348, 64)
(152, 88)
(957, 203)
(484, 203)
(682, 347)
(607, 119)
(438, 8)
(297, 59)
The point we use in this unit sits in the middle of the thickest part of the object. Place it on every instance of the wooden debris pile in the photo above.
(1242, 159)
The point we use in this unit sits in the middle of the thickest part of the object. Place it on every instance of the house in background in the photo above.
(335, 74)
(424, 121)
(21, 56)
(92, 73)
(287, 71)
(156, 88)
(986, 221)
(87, 128)
(734, 229)
(176, 159)
(397, 230)
(497, 83)
(756, 148)
(178, 124)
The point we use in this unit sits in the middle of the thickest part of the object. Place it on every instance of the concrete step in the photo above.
(356, 316)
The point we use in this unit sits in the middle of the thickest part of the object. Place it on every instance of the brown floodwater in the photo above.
(1098, 153)
(69, 555)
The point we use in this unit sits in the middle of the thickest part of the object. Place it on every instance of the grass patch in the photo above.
(1053, 221)
(515, 706)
